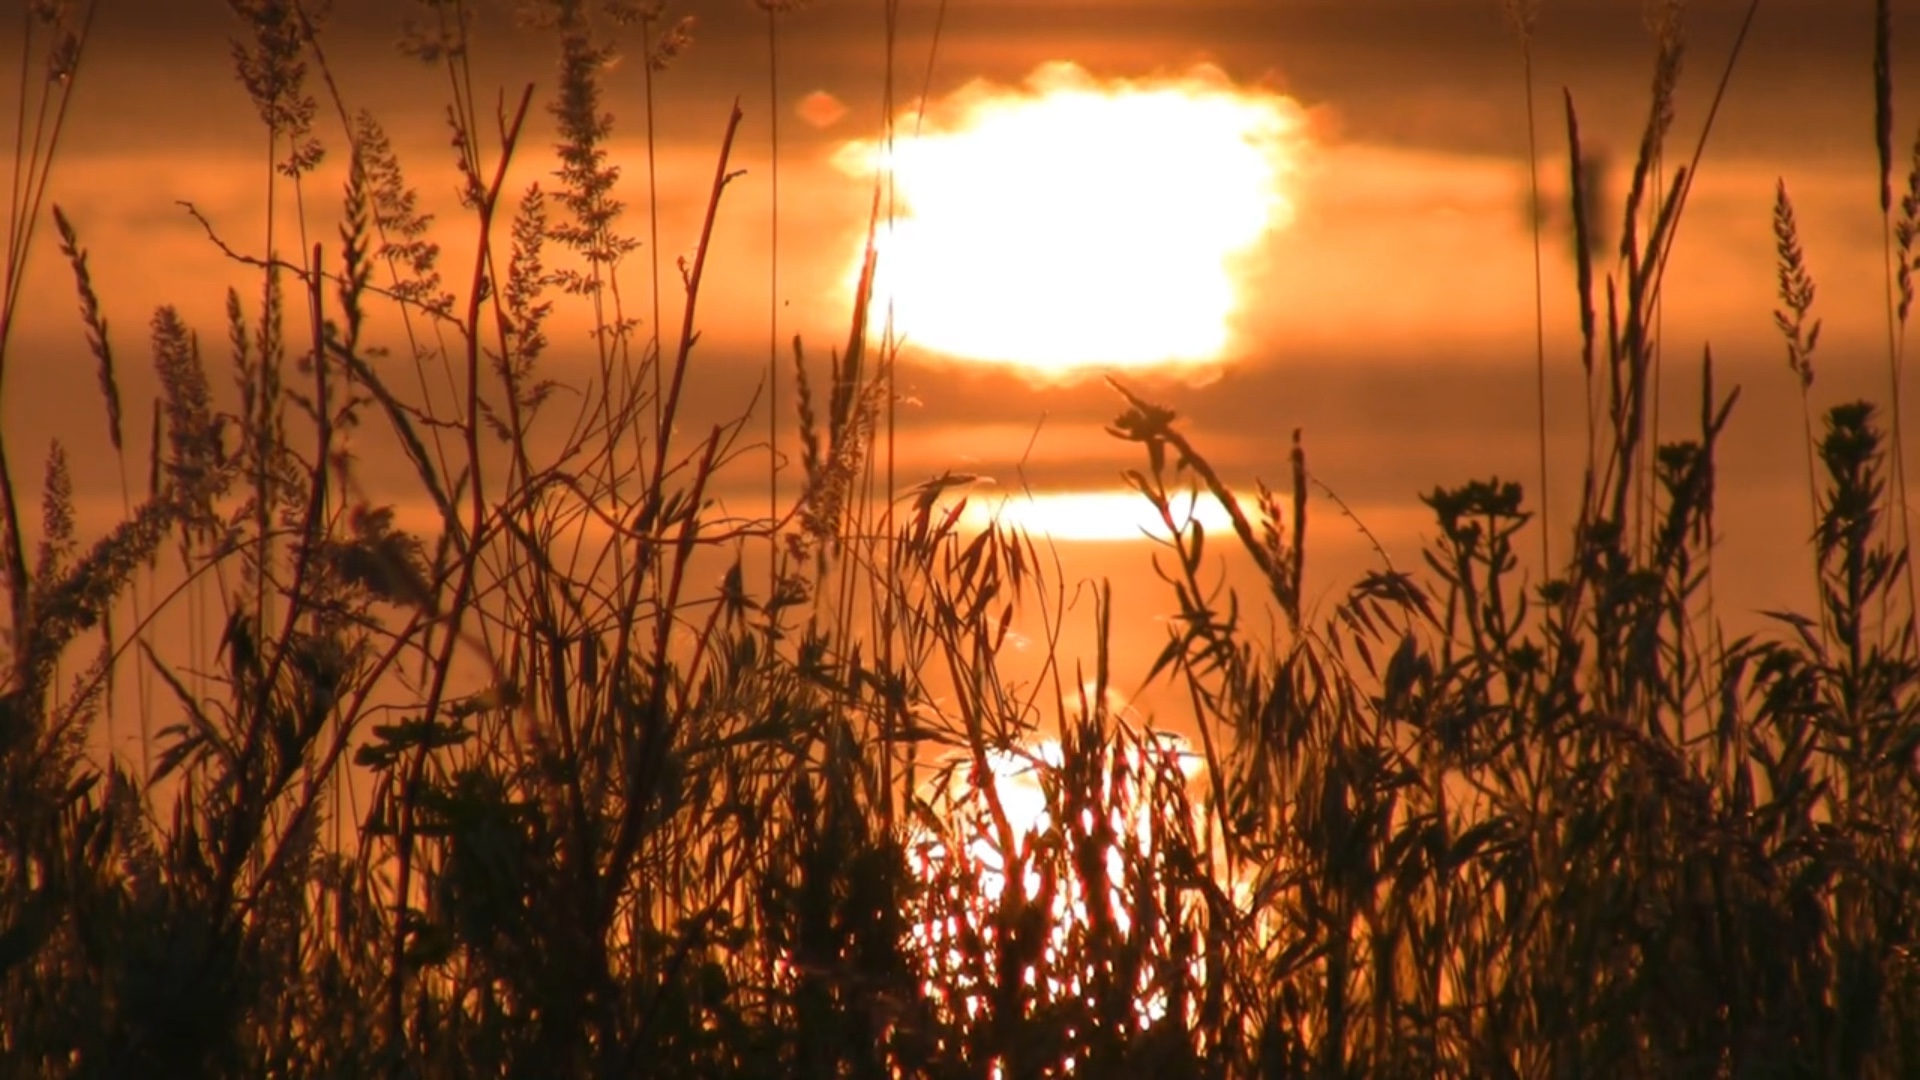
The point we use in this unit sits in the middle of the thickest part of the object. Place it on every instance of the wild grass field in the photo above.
(516, 792)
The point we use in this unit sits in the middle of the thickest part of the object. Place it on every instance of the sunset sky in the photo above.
(1388, 312)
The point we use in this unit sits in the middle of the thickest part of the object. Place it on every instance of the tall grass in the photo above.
(513, 792)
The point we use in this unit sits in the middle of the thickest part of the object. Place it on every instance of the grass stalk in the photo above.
(1883, 144)
(1524, 14)
(619, 820)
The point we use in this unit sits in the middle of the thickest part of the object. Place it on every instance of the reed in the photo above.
(510, 792)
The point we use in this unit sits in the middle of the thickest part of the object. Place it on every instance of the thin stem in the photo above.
(1539, 310)
(773, 302)
(653, 235)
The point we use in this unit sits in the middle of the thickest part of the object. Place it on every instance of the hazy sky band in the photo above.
(1371, 330)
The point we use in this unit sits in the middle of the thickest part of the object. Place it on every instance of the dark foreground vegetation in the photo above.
(517, 794)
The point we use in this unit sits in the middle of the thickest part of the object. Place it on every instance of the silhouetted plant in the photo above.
(492, 795)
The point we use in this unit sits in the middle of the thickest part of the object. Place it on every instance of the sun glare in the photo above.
(965, 865)
(1075, 222)
(1093, 515)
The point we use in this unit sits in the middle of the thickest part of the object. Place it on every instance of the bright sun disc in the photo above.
(1075, 222)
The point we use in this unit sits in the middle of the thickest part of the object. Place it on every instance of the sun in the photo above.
(1074, 222)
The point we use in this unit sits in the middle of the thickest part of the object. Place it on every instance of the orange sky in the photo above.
(1393, 317)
